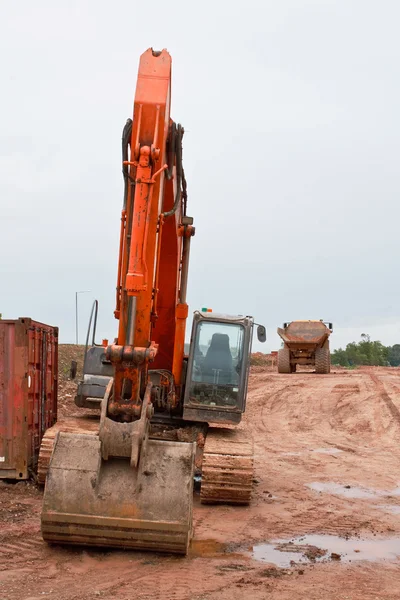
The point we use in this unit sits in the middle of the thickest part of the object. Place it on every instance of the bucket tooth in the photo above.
(94, 502)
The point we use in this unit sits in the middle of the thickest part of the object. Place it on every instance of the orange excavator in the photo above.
(126, 479)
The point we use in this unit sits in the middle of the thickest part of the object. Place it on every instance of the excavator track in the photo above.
(86, 425)
(228, 467)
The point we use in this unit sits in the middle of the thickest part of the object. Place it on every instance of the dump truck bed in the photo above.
(304, 334)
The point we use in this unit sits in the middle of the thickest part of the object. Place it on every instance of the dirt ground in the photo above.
(338, 433)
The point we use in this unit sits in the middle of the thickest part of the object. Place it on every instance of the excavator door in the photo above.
(218, 367)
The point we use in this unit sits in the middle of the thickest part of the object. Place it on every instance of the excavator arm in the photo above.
(154, 244)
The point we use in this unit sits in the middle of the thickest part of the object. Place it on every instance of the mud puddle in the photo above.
(351, 491)
(319, 548)
(308, 549)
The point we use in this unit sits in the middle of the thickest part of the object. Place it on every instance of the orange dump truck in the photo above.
(305, 343)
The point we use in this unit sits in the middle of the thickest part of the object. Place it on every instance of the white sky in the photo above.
(291, 112)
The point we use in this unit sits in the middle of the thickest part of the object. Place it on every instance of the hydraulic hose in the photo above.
(175, 152)
(126, 140)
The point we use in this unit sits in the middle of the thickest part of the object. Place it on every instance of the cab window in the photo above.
(217, 364)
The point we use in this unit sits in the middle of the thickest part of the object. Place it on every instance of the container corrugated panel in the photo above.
(28, 393)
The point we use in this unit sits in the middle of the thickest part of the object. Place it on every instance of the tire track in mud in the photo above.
(394, 411)
(150, 578)
(271, 400)
(343, 394)
(316, 396)
(19, 552)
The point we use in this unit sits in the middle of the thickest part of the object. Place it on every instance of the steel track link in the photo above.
(228, 467)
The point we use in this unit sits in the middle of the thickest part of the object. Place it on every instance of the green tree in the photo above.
(365, 352)
(394, 355)
(339, 357)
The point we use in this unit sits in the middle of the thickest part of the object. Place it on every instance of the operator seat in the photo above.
(218, 360)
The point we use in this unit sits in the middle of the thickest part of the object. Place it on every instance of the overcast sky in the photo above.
(291, 112)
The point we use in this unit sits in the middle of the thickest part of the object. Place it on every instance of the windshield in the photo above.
(217, 364)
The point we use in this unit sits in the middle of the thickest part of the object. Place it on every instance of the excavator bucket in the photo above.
(95, 502)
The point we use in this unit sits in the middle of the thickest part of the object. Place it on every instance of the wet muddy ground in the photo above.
(323, 524)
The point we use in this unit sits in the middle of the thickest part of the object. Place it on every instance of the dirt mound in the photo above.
(66, 385)
(66, 354)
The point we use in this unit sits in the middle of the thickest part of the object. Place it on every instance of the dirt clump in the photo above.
(67, 386)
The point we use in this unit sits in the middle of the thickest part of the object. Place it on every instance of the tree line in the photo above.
(367, 352)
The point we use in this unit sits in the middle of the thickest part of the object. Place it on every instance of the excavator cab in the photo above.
(218, 367)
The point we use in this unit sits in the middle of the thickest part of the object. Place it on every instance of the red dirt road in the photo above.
(341, 429)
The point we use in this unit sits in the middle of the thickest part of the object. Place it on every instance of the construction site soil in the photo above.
(323, 522)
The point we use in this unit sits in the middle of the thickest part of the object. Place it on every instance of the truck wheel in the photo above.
(323, 360)
(284, 360)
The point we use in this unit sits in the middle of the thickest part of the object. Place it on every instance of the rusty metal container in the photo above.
(28, 393)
